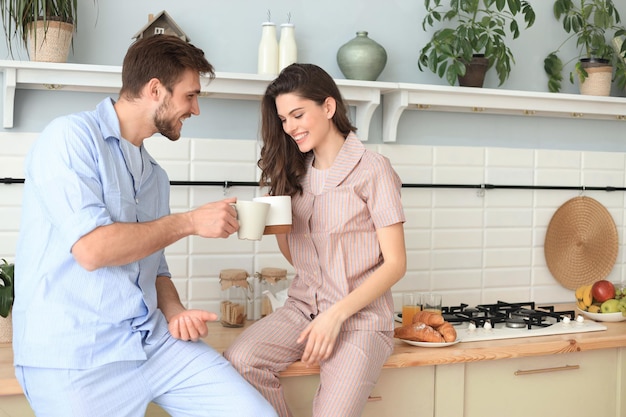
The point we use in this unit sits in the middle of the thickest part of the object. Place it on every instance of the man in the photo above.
(99, 329)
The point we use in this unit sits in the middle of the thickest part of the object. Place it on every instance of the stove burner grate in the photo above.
(513, 315)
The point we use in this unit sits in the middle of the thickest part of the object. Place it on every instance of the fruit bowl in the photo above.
(603, 316)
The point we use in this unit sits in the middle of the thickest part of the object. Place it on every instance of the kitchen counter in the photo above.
(405, 355)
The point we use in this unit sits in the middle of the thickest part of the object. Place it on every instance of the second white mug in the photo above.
(279, 218)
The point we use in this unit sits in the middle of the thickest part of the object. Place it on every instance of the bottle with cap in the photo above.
(268, 49)
(287, 48)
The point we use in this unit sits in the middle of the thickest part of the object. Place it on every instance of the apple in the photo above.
(610, 306)
(603, 290)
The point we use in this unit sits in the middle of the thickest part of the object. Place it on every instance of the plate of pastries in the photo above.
(428, 329)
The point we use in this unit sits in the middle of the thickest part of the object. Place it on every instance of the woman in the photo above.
(346, 245)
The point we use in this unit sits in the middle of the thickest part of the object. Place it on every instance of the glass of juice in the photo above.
(411, 304)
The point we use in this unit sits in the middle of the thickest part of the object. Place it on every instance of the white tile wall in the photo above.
(472, 247)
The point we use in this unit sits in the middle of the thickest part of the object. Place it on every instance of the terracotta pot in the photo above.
(475, 72)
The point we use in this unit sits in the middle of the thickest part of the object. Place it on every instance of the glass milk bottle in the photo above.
(235, 296)
(272, 281)
(287, 49)
(268, 50)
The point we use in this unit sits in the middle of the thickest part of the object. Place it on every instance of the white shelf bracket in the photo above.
(364, 112)
(394, 103)
(9, 84)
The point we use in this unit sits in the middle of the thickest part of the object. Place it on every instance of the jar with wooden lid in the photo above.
(273, 285)
(235, 296)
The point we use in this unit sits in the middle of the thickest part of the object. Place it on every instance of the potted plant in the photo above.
(38, 23)
(478, 30)
(594, 26)
(7, 295)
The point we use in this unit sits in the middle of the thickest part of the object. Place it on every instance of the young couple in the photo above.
(99, 328)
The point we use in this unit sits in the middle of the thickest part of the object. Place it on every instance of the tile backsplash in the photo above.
(471, 245)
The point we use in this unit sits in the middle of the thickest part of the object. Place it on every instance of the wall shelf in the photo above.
(365, 96)
(494, 101)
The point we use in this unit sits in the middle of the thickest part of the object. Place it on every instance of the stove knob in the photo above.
(487, 325)
(566, 321)
(471, 326)
(580, 319)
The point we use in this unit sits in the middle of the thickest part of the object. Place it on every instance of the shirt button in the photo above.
(134, 327)
(137, 200)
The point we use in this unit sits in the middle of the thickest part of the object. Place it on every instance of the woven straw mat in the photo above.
(581, 243)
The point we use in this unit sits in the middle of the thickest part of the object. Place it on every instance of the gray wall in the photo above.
(229, 32)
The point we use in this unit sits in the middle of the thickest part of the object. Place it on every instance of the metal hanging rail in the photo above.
(228, 184)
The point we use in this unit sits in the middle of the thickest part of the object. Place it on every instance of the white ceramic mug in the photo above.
(279, 218)
(251, 216)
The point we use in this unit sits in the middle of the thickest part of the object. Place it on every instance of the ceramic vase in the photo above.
(361, 58)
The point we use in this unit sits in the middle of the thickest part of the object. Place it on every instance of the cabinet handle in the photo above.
(371, 399)
(545, 370)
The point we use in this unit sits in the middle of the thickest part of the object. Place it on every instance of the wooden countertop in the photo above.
(405, 355)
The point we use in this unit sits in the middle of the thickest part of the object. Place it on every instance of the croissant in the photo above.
(428, 317)
(447, 331)
(419, 332)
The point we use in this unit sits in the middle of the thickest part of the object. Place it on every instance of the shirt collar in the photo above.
(349, 156)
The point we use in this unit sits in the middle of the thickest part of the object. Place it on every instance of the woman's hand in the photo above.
(321, 335)
(190, 324)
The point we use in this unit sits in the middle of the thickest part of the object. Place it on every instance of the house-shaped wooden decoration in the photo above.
(161, 24)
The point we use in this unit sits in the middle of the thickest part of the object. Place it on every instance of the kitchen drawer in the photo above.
(400, 392)
(573, 384)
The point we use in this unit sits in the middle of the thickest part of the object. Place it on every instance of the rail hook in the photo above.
(481, 192)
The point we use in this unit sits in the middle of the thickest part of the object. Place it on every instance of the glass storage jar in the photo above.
(235, 295)
(273, 287)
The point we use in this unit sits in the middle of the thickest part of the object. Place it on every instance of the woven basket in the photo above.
(53, 45)
(598, 83)
(6, 329)
(581, 243)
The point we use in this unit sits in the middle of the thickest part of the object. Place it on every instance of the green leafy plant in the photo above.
(18, 15)
(7, 291)
(477, 27)
(594, 26)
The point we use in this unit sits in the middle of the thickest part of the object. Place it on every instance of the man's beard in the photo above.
(166, 127)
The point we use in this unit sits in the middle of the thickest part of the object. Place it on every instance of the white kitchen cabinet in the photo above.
(401, 392)
(579, 384)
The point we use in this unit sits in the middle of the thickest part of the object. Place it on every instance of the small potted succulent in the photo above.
(474, 34)
(7, 295)
(594, 25)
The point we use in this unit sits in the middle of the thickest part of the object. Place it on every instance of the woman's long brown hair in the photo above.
(282, 164)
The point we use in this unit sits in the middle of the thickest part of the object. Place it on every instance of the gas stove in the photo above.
(512, 320)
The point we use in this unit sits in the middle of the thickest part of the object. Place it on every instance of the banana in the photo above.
(594, 308)
(579, 292)
(587, 297)
(580, 305)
